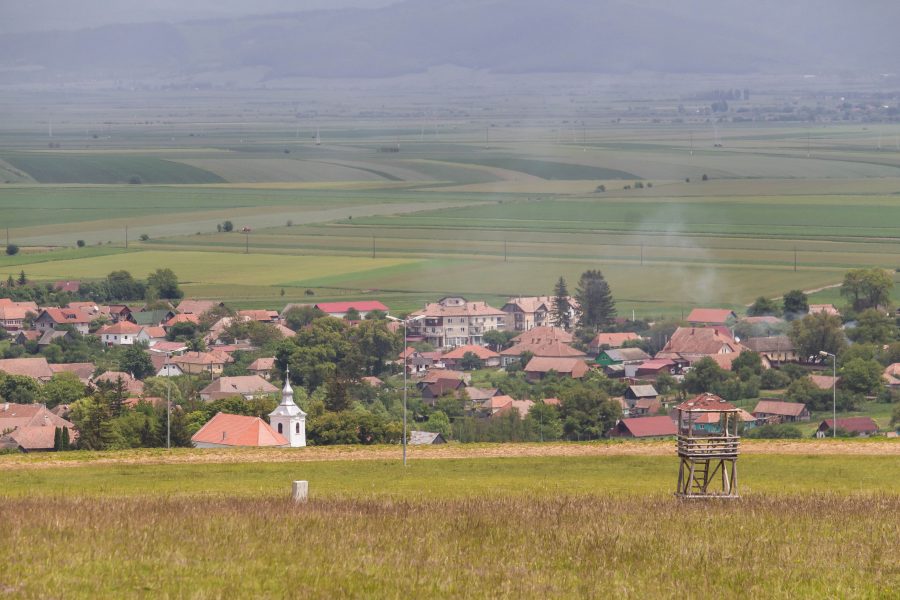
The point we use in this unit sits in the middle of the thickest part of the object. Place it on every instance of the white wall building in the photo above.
(288, 419)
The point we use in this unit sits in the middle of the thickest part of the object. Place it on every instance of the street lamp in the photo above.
(823, 354)
(405, 359)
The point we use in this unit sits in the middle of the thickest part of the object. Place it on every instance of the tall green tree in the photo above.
(136, 361)
(165, 284)
(867, 288)
(795, 305)
(595, 302)
(873, 327)
(762, 307)
(561, 311)
(816, 333)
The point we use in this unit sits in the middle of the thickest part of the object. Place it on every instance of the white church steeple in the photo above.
(287, 418)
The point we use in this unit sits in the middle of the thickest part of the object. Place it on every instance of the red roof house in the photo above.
(644, 427)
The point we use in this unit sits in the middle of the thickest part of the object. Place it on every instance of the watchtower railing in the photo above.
(708, 447)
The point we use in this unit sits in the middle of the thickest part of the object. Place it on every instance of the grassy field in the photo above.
(550, 526)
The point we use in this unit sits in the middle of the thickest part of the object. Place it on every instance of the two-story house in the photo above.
(453, 321)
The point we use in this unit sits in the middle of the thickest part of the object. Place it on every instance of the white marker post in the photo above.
(300, 491)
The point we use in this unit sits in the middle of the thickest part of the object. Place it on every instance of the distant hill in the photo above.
(600, 36)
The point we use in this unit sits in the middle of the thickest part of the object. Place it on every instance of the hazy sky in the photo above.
(35, 15)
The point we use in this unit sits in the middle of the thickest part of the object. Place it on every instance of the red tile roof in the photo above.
(184, 318)
(648, 426)
(122, 327)
(155, 332)
(84, 371)
(542, 335)
(824, 382)
(613, 340)
(64, 316)
(778, 407)
(479, 351)
(237, 430)
(711, 315)
(852, 424)
(36, 368)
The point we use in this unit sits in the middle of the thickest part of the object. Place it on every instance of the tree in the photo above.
(470, 362)
(80, 243)
(795, 305)
(227, 226)
(762, 307)
(867, 288)
(10, 281)
(63, 388)
(438, 422)
(352, 314)
(20, 389)
(596, 305)
(120, 285)
(12, 249)
(587, 413)
(560, 314)
(498, 339)
(22, 278)
(705, 376)
(818, 332)
(165, 283)
(861, 376)
(873, 327)
(136, 361)
(297, 317)
(746, 364)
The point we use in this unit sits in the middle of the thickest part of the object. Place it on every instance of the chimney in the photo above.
(46, 421)
(223, 436)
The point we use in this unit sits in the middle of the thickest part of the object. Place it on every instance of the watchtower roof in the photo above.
(707, 403)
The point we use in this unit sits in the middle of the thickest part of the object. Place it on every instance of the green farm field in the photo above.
(783, 208)
(460, 521)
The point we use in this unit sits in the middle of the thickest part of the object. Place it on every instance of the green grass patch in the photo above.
(106, 168)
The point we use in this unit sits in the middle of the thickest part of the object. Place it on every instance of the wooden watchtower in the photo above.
(708, 445)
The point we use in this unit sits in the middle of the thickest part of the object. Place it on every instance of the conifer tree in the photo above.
(596, 306)
(560, 315)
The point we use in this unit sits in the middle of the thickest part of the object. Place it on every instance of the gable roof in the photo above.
(154, 332)
(198, 358)
(244, 384)
(613, 340)
(643, 391)
(422, 438)
(151, 317)
(774, 343)
(706, 403)
(648, 426)
(237, 430)
(84, 371)
(549, 348)
(699, 340)
(262, 364)
(718, 316)
(36, 368)
(779, 407)
(626, 354)
(480, 351)
(575, 367)
(263, 316)
(64, 316)
(196, 307)
(120, 328)
(852, 424)
(824, 382)
(468, 309)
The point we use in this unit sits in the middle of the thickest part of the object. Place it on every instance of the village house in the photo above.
(117, 312)
(248, 386)
(260, 316)
(123, 333)
(693, 343)
(67, 286)
(777, 411)
(229, 431)
(603, 341)
(639, 392)
(151, 335)
(453, 322)
(825, 382)
(454, 358)
(543, 334)
(861, 426)
(653, 368)
(164, 367)
(339, 310)
(621, 361)
(525, 313)
(711, 316)
(83, 370)
(54, 334)
(13, 314)
(828, 309)
(51, 318)
(134, 386)
(546, 349)
(26, 335)
(776, 348)
(36, 368)
(262, 367)
(539, 367)
(31, 427)
(644, 427)
(194, 363)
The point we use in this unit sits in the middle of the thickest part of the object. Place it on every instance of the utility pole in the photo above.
(126, 236)
(504, 251)
(795, 259)
(373, 247)
(642, 254)
(247, 246)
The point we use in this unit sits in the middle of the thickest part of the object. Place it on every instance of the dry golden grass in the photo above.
(870, 447)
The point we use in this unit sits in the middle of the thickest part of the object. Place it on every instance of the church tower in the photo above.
(287, 418)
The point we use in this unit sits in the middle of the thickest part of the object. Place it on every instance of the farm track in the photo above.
(446, 452)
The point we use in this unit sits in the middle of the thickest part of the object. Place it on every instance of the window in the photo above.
(297, 428)
(279, 428)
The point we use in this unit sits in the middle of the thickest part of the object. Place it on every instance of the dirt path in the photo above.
(449, 451)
